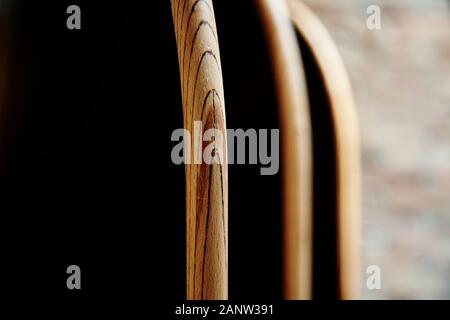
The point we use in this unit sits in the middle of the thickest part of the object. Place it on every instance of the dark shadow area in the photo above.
(325, 284)
(85, 153)
(254, 200)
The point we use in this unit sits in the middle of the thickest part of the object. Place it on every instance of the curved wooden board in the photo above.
(346, 134)
(206, 184)
(296, 162)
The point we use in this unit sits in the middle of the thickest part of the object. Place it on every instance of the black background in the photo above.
(85, 153)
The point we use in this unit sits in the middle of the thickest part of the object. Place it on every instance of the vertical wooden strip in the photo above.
(295, 131)
(206, 184)
(346, 132)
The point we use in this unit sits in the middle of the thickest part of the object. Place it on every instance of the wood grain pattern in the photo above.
(296, 144)
(206, 185)
(346, 132)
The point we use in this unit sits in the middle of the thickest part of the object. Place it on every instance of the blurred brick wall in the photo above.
(401, 80)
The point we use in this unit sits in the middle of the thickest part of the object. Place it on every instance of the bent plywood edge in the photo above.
(296, 143)
(206, 184)
(346, 133)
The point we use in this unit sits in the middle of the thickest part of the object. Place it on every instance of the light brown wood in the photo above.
(206, 184)
(346, 132)
(296, 145)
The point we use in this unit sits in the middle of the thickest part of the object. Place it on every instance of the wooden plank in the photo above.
(346, 134)
(296, 145)
(206, 185)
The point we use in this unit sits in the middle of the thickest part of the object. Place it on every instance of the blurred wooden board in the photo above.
(296, 145)
(346, 139)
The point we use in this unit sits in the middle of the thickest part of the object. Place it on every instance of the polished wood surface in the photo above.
(206, 185)
(346, 135)
(296, 144)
